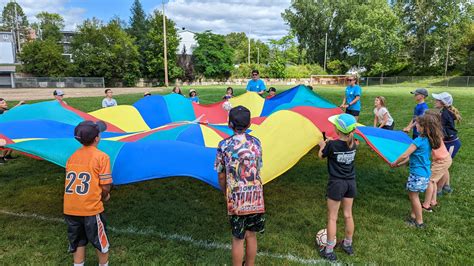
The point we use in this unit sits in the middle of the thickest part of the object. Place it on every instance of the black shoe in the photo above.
(2, 160)
(348, 249)
(328, 256)
(412, 222)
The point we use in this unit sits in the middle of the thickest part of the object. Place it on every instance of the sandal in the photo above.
(428, 209)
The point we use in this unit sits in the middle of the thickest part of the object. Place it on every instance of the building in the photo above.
(66, 40)
(187, 42)
(7, 60)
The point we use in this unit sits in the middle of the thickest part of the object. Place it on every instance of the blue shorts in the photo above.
(417, 183)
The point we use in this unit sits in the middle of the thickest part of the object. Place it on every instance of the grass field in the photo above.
(183, 221)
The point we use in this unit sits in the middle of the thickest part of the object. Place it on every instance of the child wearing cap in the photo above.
(271, 93)
(420, 94)
(87, 186)
(108, 101)
(59, 96)
(238, 163)
(449, 115)
(193, 96)
(342, 184)
(418, 154)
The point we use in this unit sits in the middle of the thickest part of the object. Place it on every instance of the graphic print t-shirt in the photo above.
(340, 159)
(86, 170)
(240, 156)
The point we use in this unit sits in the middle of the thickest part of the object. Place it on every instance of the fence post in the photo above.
(447, 81)
(467, 84)
(367, 81)
(103, 82)
(396, 80)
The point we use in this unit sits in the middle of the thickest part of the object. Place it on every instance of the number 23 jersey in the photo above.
(86, 170)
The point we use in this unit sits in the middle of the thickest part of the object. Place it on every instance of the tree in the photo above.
(105, 51)
(138, 29)
(259, 51)
(186, 63)
(154, 52)
(213, 56)
(43, 59)
(287, 48)
(14, 19)
(376, 36)
(50, 25)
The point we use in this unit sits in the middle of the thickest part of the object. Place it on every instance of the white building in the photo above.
(187, 40)
(7, 59)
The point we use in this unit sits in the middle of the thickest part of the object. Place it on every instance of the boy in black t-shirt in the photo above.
(341, 185)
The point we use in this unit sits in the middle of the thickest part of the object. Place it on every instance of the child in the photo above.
(228, 94)
(342, 184)
(193, 96)
(440, 166)
(272, 92)
(87, 186)
(177, 90)
(382, 117)
(146, 94)
(6, 154)
(108, 101)
(420, 108)
(238, 163)
(419, 155)
(449, 114)
(59, 96)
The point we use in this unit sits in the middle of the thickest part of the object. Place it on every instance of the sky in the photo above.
(262, 18)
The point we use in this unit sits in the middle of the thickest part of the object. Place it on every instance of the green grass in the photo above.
(295, 204)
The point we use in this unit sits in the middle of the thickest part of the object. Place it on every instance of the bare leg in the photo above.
(333, 208)
(80, 255)
(103, 257)
(443, 181)
(429, 194)
(415, 207)
(434, 200)
(251, 248)
(237, 251)
(348, 220)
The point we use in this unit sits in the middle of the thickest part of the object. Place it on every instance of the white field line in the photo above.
(173, 237)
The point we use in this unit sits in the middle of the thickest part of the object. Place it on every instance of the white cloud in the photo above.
(72, 16)
(262, 18)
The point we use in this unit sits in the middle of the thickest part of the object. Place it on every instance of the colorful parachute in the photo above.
(163, 136)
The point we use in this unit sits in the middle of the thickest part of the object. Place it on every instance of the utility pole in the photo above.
(164, 45)
(248, 37)
(326, 42)
(17, 32)
(258, 55)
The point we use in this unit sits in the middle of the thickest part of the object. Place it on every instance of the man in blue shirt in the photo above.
(256, 84)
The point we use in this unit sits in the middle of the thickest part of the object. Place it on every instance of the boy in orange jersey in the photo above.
(88, 183)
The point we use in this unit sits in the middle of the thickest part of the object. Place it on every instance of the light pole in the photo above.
(164, 45)
(249, 45)
(258, 55)
(326, 41)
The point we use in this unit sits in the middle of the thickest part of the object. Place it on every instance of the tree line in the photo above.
(409, 37)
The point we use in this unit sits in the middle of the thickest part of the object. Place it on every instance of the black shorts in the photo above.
(242, 223)
(389, 127)
(352, 112)
(341, 188)
(84, 229)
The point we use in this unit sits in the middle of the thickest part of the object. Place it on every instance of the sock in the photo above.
(347, 242)
(105, 264)
(330, 246)
(79, 264)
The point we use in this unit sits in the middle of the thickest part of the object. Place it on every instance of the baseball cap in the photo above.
(147, 93)
(345, 123)
(58, 93)
(239, 118)
(421, 91)
(87, 130)
(444, 97)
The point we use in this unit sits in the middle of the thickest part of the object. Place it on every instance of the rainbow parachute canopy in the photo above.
(164, 136)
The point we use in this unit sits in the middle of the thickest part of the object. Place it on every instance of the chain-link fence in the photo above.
(68, 82)
(462, 81)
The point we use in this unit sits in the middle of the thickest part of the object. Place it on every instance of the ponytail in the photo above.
(455, 112)
(350, 140)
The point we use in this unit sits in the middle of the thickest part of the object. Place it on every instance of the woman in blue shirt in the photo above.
(351, 101)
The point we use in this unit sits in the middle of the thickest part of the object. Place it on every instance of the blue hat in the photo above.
(345, 123)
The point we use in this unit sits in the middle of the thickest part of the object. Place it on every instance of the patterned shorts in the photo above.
(417, 183)
(242, 223)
